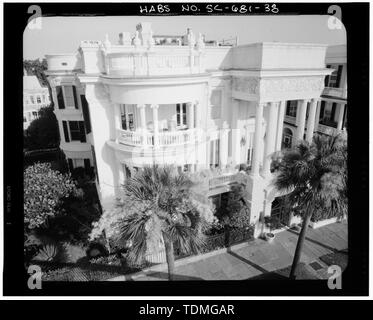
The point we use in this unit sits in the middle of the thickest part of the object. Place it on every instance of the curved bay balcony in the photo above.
(162, 139)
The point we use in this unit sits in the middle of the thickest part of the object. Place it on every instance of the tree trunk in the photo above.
(299, 247)
(169, 248)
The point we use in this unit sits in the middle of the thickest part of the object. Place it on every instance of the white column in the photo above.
(191, 116)
(257, 139)
(317, 117)
(117, 120)
(143, 122)
(236, 132)
(302, 109)
(311, 120)
(117, 115)
(340, 116)
(280, 125)
(155, 124)
(223, 147)
(270, 139)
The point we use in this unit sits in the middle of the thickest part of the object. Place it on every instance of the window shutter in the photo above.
(65, 131)
(87, 120)
(75, 98)
(82, 132)
(61, 102)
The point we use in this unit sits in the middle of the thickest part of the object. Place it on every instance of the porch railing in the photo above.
(163, 139)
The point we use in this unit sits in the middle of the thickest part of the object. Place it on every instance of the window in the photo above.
(74, 131)
(32, 99)
(69, 96)
(291, 108)
(327, 114)
(24, 119)
(127, 118)
(66, 97)
(38, 99)
(334, 79)
(215, 104)
(287, 138)
(181, 115)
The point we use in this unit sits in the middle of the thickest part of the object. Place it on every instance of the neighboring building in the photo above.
(331, 112)
(34, 97)
(198, 107)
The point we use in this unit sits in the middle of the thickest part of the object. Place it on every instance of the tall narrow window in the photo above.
(70, 98)
(181, 117)
(291, 108)
(74, 130)
(127, 118)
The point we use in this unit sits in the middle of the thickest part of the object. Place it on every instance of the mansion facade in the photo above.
(35, 97)
(133, 103)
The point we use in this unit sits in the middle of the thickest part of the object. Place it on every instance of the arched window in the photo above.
(287, 138)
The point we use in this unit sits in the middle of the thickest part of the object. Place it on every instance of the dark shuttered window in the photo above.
(61, 102)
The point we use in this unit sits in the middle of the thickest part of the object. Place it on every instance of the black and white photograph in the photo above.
(166, 144)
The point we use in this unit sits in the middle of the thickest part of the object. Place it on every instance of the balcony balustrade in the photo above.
(153, 63)
(163, 139)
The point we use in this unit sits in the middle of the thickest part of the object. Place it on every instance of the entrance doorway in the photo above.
(279, 212)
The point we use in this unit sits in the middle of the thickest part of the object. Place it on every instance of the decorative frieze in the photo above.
(276, 87)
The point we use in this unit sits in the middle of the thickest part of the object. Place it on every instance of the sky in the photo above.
(64, 34)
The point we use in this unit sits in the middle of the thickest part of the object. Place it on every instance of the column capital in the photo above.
(276, 103)
(140, 106)
(154, 106)
(260, 103)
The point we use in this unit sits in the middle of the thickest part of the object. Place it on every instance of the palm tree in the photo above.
(316, 174)
(161, 208)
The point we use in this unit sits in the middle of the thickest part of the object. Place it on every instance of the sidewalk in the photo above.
(256, 258)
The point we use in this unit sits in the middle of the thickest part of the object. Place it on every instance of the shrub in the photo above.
(236, 214)
(44, 189)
